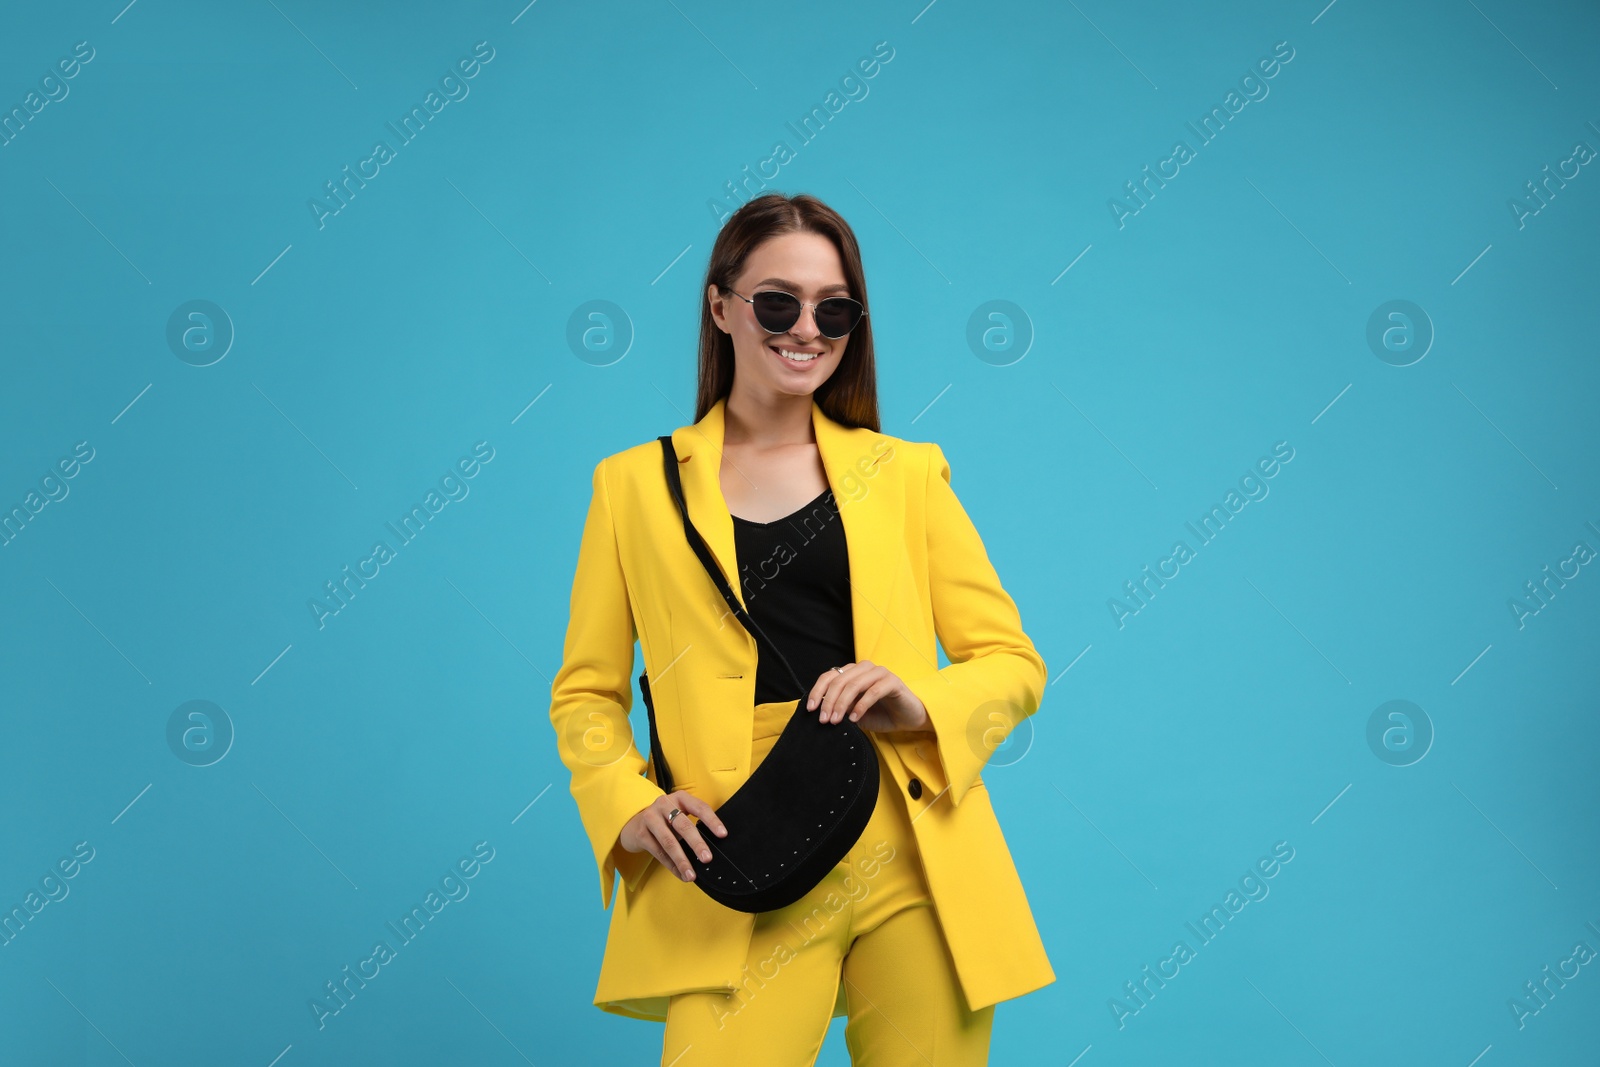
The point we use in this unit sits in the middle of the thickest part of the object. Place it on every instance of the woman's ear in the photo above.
(718, 303)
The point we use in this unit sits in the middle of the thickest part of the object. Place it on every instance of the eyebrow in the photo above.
(783, 283)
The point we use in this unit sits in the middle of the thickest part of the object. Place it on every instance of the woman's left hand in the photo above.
(874, 697)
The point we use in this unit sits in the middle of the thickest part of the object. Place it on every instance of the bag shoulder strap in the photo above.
(669, 458)
(658, 758)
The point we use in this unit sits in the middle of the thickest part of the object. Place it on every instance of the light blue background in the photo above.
(432, 312)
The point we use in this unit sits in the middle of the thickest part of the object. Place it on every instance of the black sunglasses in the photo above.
(777, 311)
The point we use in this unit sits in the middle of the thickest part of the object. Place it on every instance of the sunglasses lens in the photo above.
(837, 316)
(776, 311)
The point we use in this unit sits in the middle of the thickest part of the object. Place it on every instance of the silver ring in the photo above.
(675, 813)
(839, 669)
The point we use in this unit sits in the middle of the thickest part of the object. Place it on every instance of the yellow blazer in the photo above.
(918, 570)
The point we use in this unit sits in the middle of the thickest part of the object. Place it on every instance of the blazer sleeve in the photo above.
(592, 694)
(996, 677)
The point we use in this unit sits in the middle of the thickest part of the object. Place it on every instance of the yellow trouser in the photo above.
(870, 924)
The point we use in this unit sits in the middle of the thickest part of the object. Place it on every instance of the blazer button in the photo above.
(914, 787)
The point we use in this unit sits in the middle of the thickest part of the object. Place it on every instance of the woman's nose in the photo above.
(805, 327)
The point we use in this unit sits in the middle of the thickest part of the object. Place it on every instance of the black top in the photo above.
(794, 573)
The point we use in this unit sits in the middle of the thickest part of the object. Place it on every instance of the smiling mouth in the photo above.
(795, 356)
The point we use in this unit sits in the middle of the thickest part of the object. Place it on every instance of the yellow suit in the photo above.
(918, 571)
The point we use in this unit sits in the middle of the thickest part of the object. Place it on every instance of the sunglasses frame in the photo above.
(803, 305)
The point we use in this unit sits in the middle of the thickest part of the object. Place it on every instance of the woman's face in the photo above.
(806, 265)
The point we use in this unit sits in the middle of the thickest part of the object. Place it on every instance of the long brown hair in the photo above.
(850, 395)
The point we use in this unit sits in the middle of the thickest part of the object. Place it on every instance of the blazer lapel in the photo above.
(871, 513)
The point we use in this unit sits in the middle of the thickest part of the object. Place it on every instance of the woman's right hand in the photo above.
(650, 832)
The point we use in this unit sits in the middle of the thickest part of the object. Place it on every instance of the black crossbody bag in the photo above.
(807, 804)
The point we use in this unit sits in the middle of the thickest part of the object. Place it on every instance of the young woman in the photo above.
(848, 547)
